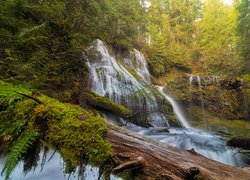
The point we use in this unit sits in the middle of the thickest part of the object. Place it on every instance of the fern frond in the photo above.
(31, 157)
(15, 129)
(19, 148)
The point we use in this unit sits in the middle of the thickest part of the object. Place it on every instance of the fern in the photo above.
(15, 129)
(19, 148)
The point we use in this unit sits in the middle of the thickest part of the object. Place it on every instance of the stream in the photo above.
(119, 89)
(53, 168)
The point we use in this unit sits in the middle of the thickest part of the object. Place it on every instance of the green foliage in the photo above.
(243, 9)
(19, 148)
(170, 30)
(74, 132)
(219, 38)
(42, 41)
(102, 103)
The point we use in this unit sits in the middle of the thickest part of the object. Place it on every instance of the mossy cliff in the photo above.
(109, 77)
(226, 97)
(28, 119)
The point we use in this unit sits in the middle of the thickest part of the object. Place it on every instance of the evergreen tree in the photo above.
(219, 38)
(244, 33)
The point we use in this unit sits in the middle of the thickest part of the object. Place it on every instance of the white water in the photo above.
(112, 80)
(209, 145)
(201, 97)
(137, 62)
(216, 79)
(205, 143)
(176, 108)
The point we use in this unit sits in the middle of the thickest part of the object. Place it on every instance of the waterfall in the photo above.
(141, 66)
(202, 102)
(198, 79)
(216, 80)
(137, 62)
(190, 96)
(112, 80)
(176, 108)
(245, 99)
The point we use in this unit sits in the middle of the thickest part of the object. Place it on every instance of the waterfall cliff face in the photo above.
(137, 62)
(112, 80)
(148, 103)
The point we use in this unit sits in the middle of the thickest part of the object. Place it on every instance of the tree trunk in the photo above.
(156, 160)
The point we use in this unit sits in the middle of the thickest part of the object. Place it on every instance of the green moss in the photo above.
(133, 73)
(215, 123)
(73, 131)
(99, 102)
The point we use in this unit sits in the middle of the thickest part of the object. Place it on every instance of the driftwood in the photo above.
(161, 161)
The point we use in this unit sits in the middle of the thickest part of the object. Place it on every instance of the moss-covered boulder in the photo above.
(242, 142)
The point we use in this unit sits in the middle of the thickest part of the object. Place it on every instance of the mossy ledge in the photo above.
(102, 103)
(28, 118)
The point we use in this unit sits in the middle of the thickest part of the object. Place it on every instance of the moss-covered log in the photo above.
(80, 135)
(102, 103)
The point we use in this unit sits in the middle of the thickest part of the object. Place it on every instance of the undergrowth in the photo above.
(27, 118)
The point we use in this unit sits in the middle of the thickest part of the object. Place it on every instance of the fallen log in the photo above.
(162, 161)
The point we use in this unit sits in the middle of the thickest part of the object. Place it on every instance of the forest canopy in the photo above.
(42, 41)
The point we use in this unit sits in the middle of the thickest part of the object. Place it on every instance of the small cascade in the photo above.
(112, 80)
(202, 102)
(208, 144)
(176, 108)
(141, 66)
(198, 79)
(216, 80)
(190, 96)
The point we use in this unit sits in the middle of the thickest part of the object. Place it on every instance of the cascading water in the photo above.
(198, 79)
(105, 81)
(137, 62)
(176, 108)
(208, 144)
(110, 79)
(216, 80)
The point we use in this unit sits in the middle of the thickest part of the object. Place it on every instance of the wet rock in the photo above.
(127, 85)
(241, 142)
